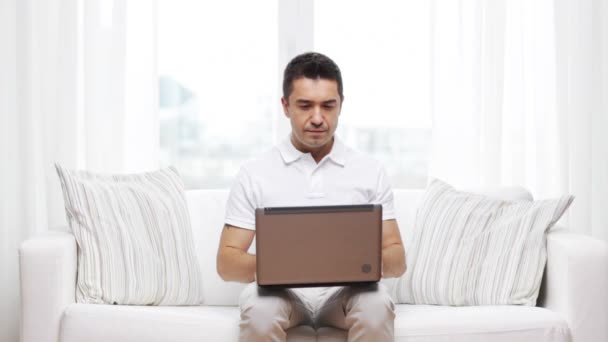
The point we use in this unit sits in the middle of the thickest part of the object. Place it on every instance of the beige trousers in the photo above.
(366, 312)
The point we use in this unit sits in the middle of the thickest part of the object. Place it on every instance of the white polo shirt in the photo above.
(285, 177)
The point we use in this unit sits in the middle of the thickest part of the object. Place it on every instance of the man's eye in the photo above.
(328, 107)
(305, 107)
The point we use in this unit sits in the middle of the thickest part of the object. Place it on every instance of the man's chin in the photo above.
(315, 142)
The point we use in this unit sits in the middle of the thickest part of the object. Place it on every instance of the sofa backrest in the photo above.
(207, 210)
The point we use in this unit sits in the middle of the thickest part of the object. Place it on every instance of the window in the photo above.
(217, 87)
(220, 73)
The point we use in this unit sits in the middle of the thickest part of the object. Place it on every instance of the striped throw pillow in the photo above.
(471, 249)
(134, 238)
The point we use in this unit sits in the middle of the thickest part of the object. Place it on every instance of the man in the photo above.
(311, 167)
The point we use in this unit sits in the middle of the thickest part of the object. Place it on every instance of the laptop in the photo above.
(319, 245)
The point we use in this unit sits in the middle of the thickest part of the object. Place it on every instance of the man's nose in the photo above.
(317, 118)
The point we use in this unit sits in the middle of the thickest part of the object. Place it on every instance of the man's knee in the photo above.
(257, 323)
(373, 306)
(264, 314)
(266, 307)
(370, 315)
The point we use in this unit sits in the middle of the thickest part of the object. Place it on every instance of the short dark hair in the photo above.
(311, 65)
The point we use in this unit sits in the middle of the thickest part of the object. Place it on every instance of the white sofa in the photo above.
(573, 305)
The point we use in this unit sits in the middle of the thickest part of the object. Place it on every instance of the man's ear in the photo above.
(341, 104)
(285, 106)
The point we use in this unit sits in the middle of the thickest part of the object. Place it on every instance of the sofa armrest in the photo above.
(576, 284)
(48, 284)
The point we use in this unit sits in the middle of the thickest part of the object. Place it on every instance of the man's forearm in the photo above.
(393, 261)
(238, 266)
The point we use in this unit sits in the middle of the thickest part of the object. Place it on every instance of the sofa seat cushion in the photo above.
(430, 323)
(417, 323)
(122, 323)
(97, 323)
(422, 323)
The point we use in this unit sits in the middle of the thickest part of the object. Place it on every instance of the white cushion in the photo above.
(117, 323)
(471, 249)
(479, 323)
(134, 238)
(419, 323)
(102, 323)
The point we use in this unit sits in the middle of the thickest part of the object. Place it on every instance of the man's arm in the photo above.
(233, 261)
(393, 252)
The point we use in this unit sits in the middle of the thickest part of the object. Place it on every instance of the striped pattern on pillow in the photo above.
(470, 249)
(134, 238)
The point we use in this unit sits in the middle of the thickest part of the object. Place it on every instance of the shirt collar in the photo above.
(338, 152)
(291, 154)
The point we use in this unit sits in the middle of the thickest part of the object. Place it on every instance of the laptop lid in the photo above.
(318, 246)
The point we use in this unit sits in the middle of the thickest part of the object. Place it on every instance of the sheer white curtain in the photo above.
(519, 97)
(77, 86)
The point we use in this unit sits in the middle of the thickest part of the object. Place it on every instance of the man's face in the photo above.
(313, 108)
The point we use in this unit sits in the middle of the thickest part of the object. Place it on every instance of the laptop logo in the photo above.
(366, 268)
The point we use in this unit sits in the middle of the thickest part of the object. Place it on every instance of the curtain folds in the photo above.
(78, 87)
(519, 97)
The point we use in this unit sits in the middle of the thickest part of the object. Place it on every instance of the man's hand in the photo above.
(393, 252)
(233, 261)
